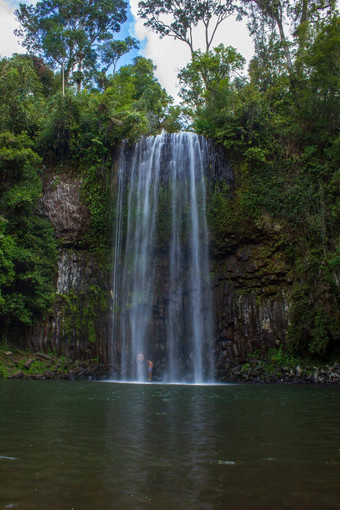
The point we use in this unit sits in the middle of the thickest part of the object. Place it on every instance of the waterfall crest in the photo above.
(162, 303)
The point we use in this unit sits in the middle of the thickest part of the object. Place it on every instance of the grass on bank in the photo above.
(17, 363)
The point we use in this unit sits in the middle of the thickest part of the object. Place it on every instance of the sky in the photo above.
(167, 54)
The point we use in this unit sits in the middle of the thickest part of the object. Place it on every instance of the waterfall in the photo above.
(162, 304)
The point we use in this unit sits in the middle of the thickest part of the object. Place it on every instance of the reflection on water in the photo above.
(67, 445)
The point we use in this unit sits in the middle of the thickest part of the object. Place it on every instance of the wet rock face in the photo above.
(75, 271)
(219, 168)
(61, 203)
(245, 324)
(79, 325)
(251, 304)
(250, 288)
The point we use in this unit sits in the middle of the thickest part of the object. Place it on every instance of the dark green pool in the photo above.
(89, 445)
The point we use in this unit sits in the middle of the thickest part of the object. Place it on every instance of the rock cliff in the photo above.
(250, 283)
(79, 324)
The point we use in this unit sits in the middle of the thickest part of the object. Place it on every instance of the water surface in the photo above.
(94, 446)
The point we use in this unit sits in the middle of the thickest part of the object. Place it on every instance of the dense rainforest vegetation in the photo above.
(65, 104)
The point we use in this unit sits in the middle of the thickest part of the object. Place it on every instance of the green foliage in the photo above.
(281, 357)
(206, 80)
(3, 372)
(28, 294)
(95, 192)
(228, 219)
(245, 367)
(137, 101)
(318, 92)
(28, 249)
(61, 127)
(268, 22)
(18, 161)
(21, 363)
(70, 34)
(83, 127)
(27, 246)
(315, 320)
(81, 313)
(172, 122)
(7, 255)
(334, 262)
(275, 361)
(21, 93)
(112, 51)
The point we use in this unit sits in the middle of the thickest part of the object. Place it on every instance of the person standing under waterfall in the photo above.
(150, 365)
(140, 362)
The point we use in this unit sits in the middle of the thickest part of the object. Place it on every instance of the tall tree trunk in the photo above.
(284, 44)
(63, 77)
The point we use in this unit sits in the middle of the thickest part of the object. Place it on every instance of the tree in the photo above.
(7, 272)
(110, 54)
(21, 93)
(320, 92)
(208, 73)
(269, 20)
(112, 51)
(134, 102)
(70, 33)
(27, 246)
(269, 13)
(178, 18)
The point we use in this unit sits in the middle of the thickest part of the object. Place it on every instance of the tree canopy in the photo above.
(287, 24)
(206, 74)
(74, 35)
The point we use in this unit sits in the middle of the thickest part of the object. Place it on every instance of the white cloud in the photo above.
(9, 43)
(170, 55)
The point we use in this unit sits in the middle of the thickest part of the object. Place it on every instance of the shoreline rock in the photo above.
(270, 369)
(260, 371)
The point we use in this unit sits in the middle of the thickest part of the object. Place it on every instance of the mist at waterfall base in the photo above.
(162, 303)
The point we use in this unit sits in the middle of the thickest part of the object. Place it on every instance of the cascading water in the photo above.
(162, 303)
